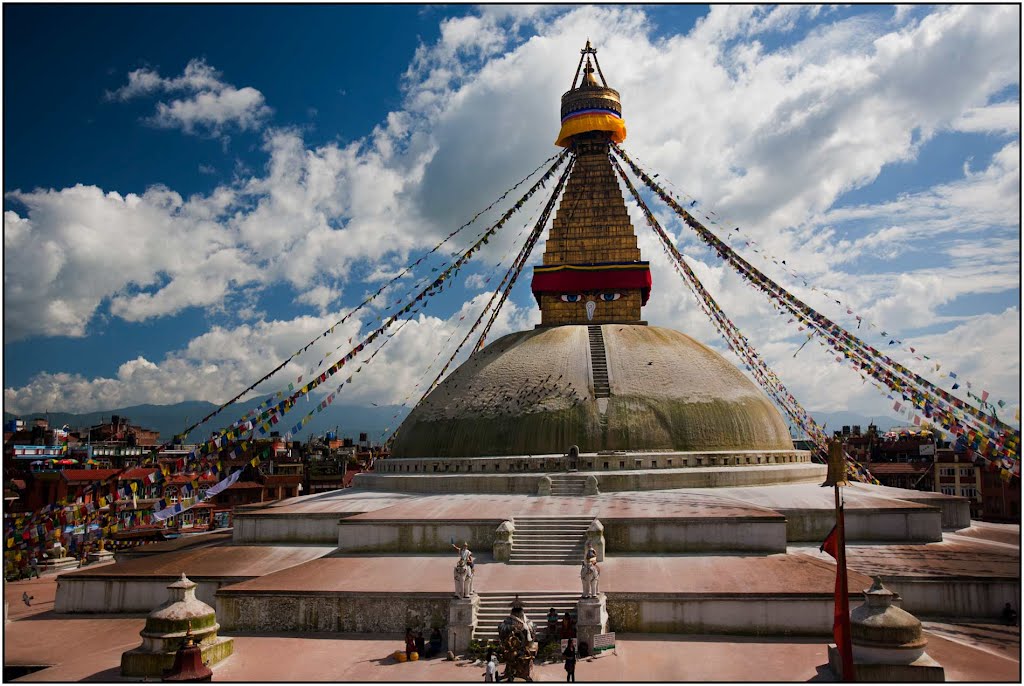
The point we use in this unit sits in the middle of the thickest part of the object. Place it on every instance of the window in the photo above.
(947, 471)
(186, 519)
(966, 471)
(969, 492)
(948, 490)
(171, 495)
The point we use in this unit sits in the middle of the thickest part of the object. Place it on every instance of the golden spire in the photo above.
(588, 76)
(591, 106)
(592, 272)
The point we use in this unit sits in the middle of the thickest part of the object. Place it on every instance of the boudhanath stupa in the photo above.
(591, 429)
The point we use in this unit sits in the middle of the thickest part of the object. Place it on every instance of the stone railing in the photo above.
(519, 464)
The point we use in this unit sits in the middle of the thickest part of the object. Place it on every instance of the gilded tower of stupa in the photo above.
(592, 272)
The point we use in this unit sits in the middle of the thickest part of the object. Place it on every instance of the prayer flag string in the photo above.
(953, 413)
(736, 341)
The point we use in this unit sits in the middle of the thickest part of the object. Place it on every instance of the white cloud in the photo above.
(217, 364)
(211, 105)
(243, 107)
(322, 297)
(1002, 117)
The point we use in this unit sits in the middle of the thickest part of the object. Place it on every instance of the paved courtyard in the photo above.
(88, 648)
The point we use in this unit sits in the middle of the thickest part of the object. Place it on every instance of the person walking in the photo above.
(570, 661)
(33, 567)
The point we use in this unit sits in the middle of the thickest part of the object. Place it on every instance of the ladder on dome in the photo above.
(599, 362)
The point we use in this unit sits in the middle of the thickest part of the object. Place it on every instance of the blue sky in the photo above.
(192, 192)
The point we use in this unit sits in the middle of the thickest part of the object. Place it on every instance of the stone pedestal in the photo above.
(888, 644)
(58, 564)
(100, 556)
(544, 486)
(183, 615)
(502, 548)
(923, 669)
(595, 538)
(462, 615)
(590, 486)
(591, 619)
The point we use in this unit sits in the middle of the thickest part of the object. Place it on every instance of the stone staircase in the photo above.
(494, 608)
(599, 363)
(549, 540)
(567, 484)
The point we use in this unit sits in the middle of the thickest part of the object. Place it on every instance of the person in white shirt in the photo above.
(491, 668)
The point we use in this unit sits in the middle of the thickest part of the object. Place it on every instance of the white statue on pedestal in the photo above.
(463, 579)
(589, 574)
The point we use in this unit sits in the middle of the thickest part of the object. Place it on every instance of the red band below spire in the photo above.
(577, 278)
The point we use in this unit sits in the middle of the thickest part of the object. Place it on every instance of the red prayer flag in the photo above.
(841, 617)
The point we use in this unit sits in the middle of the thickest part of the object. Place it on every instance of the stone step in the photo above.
(542, 561)
(494, 608)
(545, 545)
(530, 604)
(567, 529)
(532, 611)
(526, 597)
(567, 518)
(555, 526)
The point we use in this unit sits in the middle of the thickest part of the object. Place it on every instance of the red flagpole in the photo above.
(841, 620)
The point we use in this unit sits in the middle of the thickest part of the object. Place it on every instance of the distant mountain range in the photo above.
(350, 420)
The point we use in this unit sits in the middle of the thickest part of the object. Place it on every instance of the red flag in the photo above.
(835, 545)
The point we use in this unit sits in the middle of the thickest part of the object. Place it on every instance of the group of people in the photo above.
(415, 643)
(560, 629)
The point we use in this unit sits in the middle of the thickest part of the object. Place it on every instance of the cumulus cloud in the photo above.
(1002, 117)
(209, 105)
(219, 363)
(772, 138)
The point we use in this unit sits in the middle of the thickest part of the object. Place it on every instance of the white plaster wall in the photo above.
(409, 537)
(686, 535)
(302, 528)
(750, 616)
(119, 595)
(916, 526)
(955, 597)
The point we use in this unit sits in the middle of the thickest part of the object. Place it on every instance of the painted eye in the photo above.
(571, 297)
(608, 297)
